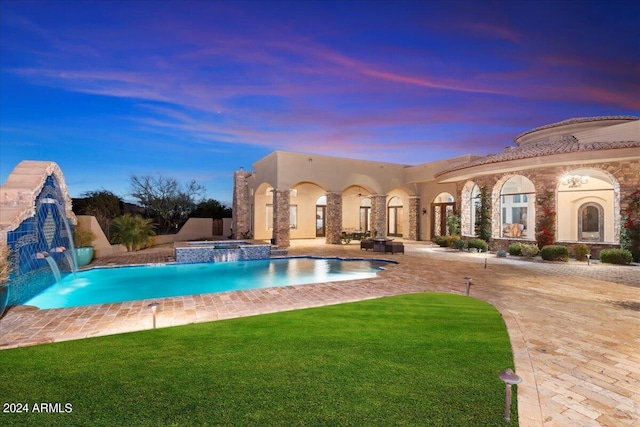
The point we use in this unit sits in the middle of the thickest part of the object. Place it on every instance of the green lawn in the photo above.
(414, 360)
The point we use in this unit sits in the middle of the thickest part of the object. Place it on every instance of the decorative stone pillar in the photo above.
(379, 215)
(281, 217)
(333, 226)
(241, 216)
(414, 218)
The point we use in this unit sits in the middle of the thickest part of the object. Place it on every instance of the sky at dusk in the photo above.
(198, 89)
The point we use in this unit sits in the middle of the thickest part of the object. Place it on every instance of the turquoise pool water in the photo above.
(119, 284)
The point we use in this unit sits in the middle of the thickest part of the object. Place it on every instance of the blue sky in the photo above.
(198, 89)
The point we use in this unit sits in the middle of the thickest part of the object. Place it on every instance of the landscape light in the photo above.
(510, 378)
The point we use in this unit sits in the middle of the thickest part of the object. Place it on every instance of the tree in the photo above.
(211, 209)
(102, 204)
(630, 233)
(133, 231)
(166, 199)
(483, 215)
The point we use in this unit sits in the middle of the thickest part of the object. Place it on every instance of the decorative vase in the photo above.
(84, 255)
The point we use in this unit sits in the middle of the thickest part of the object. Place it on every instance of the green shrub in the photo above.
(501, 254)
(529, 250)
(478, 244)
(441, 241)
(451, 240)
(133, 231)
(580, 251)
(459, 244)
(515, 249)
(82, 237)
(555, 253)
(453, 222)
(616, 256)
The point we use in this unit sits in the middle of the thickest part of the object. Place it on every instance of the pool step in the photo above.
(278, 252)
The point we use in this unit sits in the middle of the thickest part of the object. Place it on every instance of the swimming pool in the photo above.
(120, 284)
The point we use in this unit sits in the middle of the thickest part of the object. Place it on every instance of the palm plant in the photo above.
(133, 231)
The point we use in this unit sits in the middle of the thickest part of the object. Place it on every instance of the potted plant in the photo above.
(83, 242)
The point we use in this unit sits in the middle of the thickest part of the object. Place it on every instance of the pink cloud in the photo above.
(485, 29)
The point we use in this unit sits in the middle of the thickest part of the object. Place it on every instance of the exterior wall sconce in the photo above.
(424, 211)
(573, 181)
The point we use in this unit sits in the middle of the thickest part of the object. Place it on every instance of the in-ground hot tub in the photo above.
(220, 251)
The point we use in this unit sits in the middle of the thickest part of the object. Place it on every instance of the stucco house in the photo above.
(588, 165)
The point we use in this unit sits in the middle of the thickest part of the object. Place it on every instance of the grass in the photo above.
(411, 360)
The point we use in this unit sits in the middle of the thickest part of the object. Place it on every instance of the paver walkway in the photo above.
(574, 329)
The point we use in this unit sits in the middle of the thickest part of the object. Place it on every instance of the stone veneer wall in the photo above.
(414, 218)
(379, 215)
(281, 217)
(241, 221)
(625, 174)
(333, 228)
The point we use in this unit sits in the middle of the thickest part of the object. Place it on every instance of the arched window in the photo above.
(591, 222)
(517, 208)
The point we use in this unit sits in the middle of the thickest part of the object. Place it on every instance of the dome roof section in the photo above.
(583, 139)
(565, 131)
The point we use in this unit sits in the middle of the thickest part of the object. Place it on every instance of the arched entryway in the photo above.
(442, 206)
(587, 203)
(321, 215)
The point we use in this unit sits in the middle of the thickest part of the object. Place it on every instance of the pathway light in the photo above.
(510, 378)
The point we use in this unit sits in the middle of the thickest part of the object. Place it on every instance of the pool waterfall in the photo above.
(37, 227)
(220, 251)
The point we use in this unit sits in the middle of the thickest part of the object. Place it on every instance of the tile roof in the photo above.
(573, 121)
(543, 149)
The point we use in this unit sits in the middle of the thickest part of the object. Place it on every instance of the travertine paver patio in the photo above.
(574, 329)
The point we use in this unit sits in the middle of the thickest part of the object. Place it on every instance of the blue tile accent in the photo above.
(41, 233)
(207, 252)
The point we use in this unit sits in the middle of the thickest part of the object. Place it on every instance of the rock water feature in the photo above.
(36, 224)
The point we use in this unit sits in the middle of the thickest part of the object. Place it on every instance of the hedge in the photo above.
(555, 253)
(616, 256)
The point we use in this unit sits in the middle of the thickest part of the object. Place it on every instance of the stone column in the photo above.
(414, 218)
(379, 215)
(281, 217)
(333, 226)
(241, 216)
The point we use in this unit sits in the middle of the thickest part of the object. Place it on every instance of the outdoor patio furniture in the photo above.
(366, 244)
(394, 247)
(379, 243)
